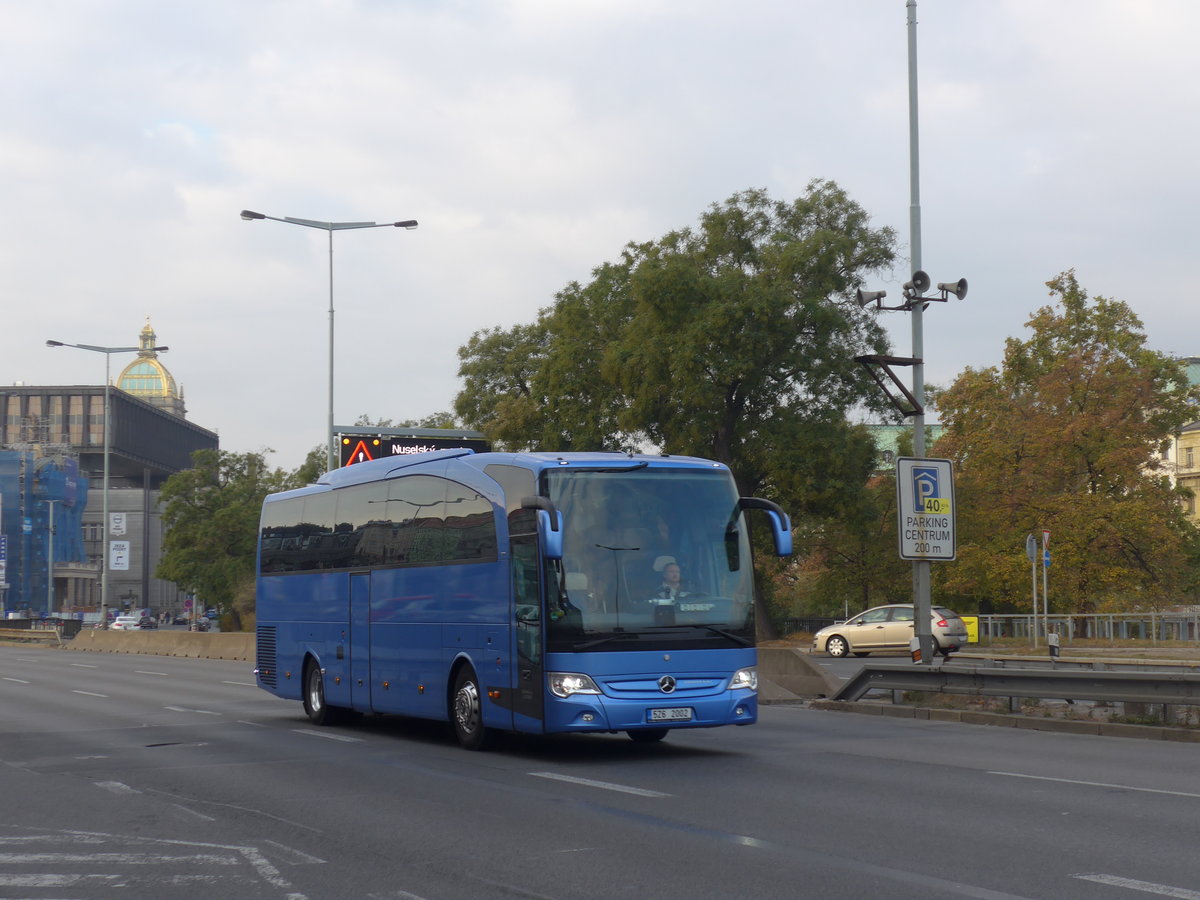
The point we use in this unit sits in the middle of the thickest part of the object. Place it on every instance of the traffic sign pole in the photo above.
(1045, 570)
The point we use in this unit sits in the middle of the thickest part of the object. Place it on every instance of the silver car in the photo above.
(889, 628)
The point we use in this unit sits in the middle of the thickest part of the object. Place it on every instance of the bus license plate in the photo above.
(674, 714)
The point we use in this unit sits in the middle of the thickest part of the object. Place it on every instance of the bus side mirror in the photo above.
(781, 524)
(550, 526)
(550, 533)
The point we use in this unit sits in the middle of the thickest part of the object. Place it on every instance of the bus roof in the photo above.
(375, 470)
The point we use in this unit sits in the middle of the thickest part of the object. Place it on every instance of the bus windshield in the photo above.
(651, 556)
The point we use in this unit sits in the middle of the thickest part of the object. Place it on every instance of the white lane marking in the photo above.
(84, 666)
(266, 871)
(116, 787)
(53, 880)
(333, 737)
(203, 712)
(242, 683)
(90, 694)
(603, 785)
(132, 859)
(295, 857)
(17, 680)
(1103, 784)
(144, 672)
(1148, 887)
(192, 812)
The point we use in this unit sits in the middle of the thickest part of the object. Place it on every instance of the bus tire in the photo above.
(466, 711)
(316, 708)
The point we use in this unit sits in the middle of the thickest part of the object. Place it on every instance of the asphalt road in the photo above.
(153, 777)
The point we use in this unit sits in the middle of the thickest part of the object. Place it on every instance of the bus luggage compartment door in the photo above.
(360, 641)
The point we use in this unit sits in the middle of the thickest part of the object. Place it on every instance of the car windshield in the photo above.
(651, 556)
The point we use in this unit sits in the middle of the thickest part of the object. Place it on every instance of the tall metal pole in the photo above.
(921, 571)
(104, 504)
(104, 548)
(249, 215)
(331, 455)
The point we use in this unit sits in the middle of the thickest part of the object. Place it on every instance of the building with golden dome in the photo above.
(148, 379)
(52, 450)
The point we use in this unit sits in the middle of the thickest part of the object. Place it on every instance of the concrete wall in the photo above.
(194, 644)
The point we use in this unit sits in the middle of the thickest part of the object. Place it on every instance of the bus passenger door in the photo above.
(360, 641)
(527, 610)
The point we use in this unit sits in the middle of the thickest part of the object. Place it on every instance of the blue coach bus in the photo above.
(532, 592)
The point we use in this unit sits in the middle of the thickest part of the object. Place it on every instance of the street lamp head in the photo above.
(408, 224)
(55, 344)
(249, 215)
(160, 349)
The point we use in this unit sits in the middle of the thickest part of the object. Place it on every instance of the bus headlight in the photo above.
(564, 684)
(744, 679)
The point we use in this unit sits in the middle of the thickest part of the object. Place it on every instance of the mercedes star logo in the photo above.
(666, 684)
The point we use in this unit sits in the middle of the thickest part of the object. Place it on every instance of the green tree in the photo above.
(433, 420)
(734, 341)
(211, 514)
(1067, 435)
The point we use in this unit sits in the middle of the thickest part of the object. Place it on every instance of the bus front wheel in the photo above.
(467, 711)
(319, 712)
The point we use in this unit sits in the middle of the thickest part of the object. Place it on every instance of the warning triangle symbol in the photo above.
(359, 454)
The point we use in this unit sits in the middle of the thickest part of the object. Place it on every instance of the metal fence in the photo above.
(1154, 627)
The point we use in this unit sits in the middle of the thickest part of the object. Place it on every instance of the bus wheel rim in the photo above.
(316, 698)
(466, 707)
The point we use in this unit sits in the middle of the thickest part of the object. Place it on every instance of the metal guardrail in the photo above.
(1168, 685)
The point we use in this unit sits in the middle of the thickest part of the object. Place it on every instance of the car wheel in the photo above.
(837, 646)
(647, 735)
(467, 711)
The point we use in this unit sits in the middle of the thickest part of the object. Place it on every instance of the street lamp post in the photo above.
(104, 549)
(330, 227)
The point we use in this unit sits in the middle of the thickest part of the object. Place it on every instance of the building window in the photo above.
(1188, 457)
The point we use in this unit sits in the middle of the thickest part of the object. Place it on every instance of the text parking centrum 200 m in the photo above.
(536, 592)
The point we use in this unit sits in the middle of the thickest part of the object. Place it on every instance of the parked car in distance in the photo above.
(889, 628)
(181, 619)
(147, 622)
(125, 623)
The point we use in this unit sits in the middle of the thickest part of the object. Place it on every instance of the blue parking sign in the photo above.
(925, 505)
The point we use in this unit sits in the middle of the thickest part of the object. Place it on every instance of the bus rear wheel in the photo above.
(466, 712)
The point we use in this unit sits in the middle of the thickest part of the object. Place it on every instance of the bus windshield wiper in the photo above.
(713, 628)
(607, 639)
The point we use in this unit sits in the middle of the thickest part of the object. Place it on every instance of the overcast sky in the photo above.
(533, 139)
